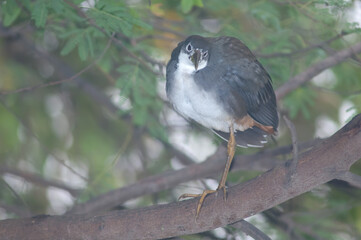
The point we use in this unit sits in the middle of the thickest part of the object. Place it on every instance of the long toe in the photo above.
(201, 200)
(189, 195)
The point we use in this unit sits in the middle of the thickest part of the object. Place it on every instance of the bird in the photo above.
(218, 83)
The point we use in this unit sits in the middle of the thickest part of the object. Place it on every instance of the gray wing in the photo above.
(244, 87)
(256, 96)
(249, 84)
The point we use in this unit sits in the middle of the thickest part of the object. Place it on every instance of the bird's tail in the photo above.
(252, 137)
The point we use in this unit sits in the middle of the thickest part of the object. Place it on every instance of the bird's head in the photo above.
(194, 53)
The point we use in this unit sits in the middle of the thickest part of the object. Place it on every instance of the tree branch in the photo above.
(75, 76)
(17, 210)
(302, 50)
(317, 68)
(36, 179)
(316, 166)
(261, 161)
(250, 230)
(351, 178)
(294, 162)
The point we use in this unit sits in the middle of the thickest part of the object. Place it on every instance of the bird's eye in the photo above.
(205, 54)
(189, 47)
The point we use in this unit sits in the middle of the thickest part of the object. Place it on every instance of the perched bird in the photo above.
(219, 83)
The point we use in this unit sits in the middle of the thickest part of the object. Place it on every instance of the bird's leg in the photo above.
(231, 146)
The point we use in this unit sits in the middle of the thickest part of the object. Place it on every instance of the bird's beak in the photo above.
(196, 57)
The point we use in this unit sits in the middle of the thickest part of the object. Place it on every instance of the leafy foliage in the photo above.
(81, 38)
(9, 11)
(40, 13)
(187, 5)
(300, 101)
(115, 17)
(140, 86)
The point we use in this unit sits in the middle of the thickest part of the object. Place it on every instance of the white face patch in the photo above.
(186, 65)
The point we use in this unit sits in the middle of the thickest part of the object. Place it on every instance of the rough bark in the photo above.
(326, 161)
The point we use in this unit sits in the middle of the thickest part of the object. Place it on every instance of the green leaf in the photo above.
(198, 3)
(300, 100)
(268, 14)
(40, 13)
(157, 130)
(115, 17)
(139, 86)
(10, 11)
(57, 6)
(79, 38)
(71, 44)
(187, 5)
(90, 44)
(69, 33)
(82, 51)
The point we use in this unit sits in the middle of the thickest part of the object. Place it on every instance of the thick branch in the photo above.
(316, 69)
(261, 161)
(317, 166)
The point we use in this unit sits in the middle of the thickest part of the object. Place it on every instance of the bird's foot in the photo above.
(203, 196)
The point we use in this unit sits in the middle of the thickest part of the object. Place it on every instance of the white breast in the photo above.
(193, 102)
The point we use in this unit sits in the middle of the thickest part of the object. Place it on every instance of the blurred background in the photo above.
(83, 109)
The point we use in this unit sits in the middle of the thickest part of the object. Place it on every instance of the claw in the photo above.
(203, 196)
(201, 200)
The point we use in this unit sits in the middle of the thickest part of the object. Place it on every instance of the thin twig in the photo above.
(340, 93)
(250, 230)
(286, 224)
(18, 197)
(302, 50)
(16, 209)
(28, 129)
(351, 178)
(293, 165)
(36, 179)
(42, 85)
(112, 37)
